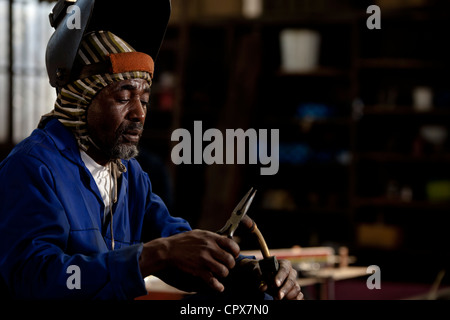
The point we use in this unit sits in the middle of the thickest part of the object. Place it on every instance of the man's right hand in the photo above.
(202, 254)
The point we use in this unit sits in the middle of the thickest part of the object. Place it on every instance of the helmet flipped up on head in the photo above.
(141, 23)
(85, 56)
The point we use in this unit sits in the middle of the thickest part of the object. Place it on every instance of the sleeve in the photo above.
(34, 233)
(158, 222)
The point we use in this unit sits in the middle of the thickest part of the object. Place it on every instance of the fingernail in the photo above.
(278, 283)
(281, 295)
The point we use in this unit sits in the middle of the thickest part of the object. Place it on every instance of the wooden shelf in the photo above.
(316, 72)
(387, 157)
(386, 110)
(399, 204)
(302, 122)
(271, 19)
(316, 166)
(398, 63)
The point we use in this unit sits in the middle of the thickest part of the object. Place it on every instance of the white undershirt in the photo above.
(103, 178)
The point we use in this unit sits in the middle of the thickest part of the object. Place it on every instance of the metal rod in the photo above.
(262, 243)
(250, 224)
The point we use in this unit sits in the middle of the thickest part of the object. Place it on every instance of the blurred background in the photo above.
(363, 116)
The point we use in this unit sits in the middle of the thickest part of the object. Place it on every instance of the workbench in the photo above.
(324, 279)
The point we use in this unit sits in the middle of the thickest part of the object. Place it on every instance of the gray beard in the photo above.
(123, 151)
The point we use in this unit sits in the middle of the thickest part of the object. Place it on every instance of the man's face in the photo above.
(116, 119)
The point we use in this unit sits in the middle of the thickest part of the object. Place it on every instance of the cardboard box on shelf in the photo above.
(196, 9)
(398, 4)
(378, 235)
(213, 8)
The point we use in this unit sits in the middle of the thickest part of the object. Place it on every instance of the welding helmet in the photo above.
(142, 23)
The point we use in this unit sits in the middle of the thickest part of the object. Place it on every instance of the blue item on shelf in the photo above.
(314, 111)
(294, 153)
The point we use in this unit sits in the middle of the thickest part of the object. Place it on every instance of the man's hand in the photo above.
(285, 282)
(282, 286)
(202, 254)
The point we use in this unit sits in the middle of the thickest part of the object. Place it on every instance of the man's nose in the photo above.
(137, 112)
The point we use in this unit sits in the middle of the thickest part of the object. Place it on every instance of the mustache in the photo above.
(125, 127)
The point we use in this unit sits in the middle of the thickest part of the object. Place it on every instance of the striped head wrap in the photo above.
(102, 59)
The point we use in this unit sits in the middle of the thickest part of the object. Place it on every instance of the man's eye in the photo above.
(145, 103)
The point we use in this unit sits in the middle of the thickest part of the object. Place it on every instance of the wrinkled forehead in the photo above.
(137, 86)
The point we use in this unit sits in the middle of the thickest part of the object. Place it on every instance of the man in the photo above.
(74, 198)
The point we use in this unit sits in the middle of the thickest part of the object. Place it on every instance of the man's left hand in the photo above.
(285, 283)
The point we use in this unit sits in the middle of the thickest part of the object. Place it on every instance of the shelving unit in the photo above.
(334, 169)
(397, 220)
(312, 109)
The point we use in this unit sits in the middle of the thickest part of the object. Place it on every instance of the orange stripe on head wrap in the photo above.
(131, 61)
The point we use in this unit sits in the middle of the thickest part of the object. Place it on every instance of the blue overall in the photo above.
(51, 215)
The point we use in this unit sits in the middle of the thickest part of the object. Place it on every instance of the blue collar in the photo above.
(66, 143)
(64, 140)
